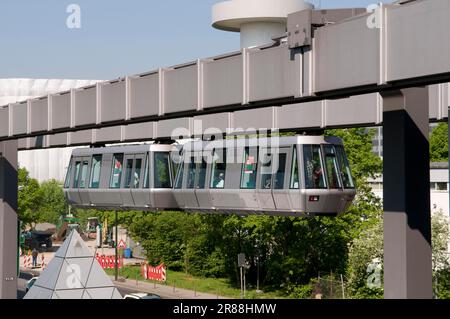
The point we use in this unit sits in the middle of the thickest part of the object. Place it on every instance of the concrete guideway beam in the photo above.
(406, 194)
(8, 220)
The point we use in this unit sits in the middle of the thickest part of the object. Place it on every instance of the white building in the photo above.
(439, 186)
(42, 164)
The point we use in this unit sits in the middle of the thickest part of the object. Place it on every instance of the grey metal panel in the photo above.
(418, 32)
(86, 106)
(262, 118)
(37, 142)
(213, 124)
(4, 121)
(435, 101)
(223, 81)
(181, 89)
(174, 128)
(272, 74)
(39, 115)
(346, 55)
(57, 140)
(113, 101)
(61, 112)
(81, 137)
(19, 118)
(300, 115)
(139, 131)
(144, 95)
(23, 143)
(109, 134)
(360, 109)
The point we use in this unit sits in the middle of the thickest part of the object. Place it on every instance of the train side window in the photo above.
(162, 170)
(76, 175)
(95, 171)
(314, 176)
(266, 171)
(116, 171)
(249, 167)
(218, 169)
(84, 171)
(278, 182)
(294, 171)
(179, 181)
(191, 173)
(137, 172)
(128, 173)
(344, 166)
(201, 169)
(332, 167)
(68, 175)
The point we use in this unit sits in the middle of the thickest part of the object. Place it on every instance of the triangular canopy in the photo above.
(73, 273)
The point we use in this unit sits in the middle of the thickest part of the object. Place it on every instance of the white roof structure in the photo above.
(257, 20)
(73, 273)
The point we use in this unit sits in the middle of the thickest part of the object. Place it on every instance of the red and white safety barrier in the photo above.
(108, 262)
(157, 273)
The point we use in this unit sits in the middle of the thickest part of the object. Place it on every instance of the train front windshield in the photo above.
(326, 166)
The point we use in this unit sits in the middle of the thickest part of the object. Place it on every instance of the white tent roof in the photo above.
(73, 273)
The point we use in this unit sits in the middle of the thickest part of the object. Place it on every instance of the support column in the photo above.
(406, 195)
(448, 140)
(8, 220)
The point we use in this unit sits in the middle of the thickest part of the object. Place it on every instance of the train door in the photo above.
(192, 167)
(83, 180)
(202, 181)
(248, 197)
(139, 193)
(133, 164)
(264, 190)
(280, 183)
(161, 194)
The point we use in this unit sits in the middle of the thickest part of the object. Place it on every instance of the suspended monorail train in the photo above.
(287, 176)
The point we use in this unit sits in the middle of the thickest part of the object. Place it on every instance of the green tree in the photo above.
(29, 198)
(439, 143)
(53, 204)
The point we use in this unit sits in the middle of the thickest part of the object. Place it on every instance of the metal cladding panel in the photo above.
(412, 49)
(22, 143)
(4, 121)
(272, 74)
(212, 124)
(19, 118)
(255, 119)
(57, 140)
(174, 128)
(61, 112)
(346, 55)
(181, 89)
(86, 106)
(39, 115)
(223, 81)
(435, 101)
(144, 96)
(360, 109)
(113, 101)
(139, 131)
(300, 115)
(81, 137)
(109, 134)
(37, 142)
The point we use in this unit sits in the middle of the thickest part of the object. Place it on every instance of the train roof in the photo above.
(139, 148)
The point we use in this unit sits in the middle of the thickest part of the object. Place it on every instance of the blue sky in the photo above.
(116, 38)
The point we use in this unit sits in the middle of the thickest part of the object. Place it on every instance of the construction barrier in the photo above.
(157, 273)
(43, 265)
(108, 262)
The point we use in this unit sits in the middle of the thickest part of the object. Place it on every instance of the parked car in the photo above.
(30, 283)
(141, 295)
